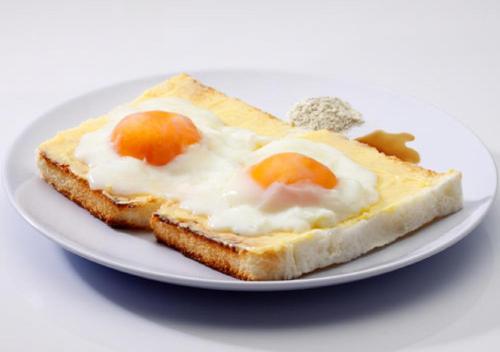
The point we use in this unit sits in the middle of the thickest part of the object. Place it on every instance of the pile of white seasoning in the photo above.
(329, 113)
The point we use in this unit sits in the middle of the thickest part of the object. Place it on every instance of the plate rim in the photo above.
(238, 285)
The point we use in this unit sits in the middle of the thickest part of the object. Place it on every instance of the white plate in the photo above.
(442, 141)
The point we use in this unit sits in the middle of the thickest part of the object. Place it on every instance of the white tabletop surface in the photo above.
(446, 53)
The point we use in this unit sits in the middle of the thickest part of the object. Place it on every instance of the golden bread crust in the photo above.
(229, 258)
(217, 255)
(128, 214)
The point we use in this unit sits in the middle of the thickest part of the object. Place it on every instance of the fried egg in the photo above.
(243, 182)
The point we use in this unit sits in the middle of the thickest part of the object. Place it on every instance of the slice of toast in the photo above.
(60, 168)
(281, 256)
(410, 197)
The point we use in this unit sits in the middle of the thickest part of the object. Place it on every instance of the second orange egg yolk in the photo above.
(291, 168)
(155, 136)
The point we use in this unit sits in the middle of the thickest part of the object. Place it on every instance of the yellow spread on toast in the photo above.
(396, 179)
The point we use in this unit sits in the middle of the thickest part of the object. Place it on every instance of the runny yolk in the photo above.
(155, 136)
(291, 168)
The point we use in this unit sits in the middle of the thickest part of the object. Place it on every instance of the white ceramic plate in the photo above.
(442, 141)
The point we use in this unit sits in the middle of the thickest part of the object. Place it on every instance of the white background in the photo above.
(446, 53)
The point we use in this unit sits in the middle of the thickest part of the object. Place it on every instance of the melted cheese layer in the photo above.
(396, 181)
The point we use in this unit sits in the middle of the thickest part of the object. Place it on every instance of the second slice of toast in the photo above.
(410, 197)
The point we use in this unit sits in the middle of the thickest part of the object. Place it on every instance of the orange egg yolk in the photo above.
(155, 136)
(291, 168)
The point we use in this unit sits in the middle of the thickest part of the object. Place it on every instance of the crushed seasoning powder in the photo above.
(329, 113)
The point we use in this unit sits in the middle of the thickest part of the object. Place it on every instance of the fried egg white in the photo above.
(211, 177)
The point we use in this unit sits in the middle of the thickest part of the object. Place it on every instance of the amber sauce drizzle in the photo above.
(393, 144)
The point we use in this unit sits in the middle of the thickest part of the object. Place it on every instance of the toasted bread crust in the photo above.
(217, 255)
(130, 215)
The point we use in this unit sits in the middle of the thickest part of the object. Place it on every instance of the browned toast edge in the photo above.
(217, 255)
(126, 215)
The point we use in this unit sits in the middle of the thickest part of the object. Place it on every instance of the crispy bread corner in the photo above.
(114, 212)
